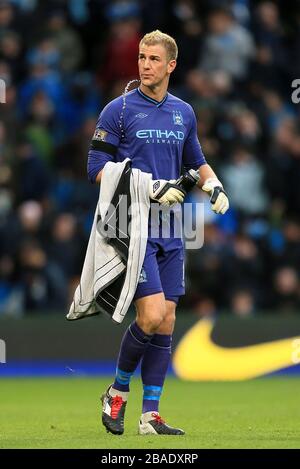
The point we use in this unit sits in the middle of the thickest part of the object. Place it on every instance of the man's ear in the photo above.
(171, 65)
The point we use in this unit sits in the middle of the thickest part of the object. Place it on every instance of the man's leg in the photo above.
(150, 313)
(156, 360)
(154, 368)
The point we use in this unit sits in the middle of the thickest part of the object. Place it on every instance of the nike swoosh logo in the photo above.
(198, 358)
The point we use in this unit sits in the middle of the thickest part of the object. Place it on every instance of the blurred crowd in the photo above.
(63, 60)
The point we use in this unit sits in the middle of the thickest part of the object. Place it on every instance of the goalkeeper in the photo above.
(158, 132)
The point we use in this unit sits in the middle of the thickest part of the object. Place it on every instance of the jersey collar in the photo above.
(151, 100)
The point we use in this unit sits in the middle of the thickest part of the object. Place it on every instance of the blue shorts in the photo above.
(163, 270)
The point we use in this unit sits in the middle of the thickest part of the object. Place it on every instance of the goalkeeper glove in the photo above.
(218, 197)
(166, 192)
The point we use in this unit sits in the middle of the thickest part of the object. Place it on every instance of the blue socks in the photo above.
(156, 352)
(154, 368)
(133, 346)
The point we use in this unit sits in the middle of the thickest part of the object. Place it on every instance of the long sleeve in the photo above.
(192, 153)
(105, 140)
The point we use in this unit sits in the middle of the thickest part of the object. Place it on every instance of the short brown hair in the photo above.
(157, 37)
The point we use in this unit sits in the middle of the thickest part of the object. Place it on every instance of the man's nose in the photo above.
(147, 63)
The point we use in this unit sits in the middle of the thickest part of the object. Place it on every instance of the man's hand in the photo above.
(166, 192)
(218, 196)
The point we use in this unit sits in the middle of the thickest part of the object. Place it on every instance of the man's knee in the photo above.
(168, 322)
(150, 322)
(169, 319)
(151, 312)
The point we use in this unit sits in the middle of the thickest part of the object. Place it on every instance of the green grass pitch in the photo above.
(65, 413)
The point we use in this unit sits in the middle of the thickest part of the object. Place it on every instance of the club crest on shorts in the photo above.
(143, 276)
(177, 118)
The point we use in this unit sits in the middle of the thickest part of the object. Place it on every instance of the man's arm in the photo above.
(105, 141)
(205, 172)
(193, 158)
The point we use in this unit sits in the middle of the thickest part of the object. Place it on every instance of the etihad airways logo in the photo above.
(160, 134)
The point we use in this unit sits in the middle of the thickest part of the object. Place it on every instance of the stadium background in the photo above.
(62, 61)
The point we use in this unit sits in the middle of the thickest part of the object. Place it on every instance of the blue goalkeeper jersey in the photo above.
(159, 137)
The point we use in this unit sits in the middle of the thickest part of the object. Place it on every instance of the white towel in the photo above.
(103, 265)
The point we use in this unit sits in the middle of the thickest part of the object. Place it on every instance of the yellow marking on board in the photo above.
(198, 358)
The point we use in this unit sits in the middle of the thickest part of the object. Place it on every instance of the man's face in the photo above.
(154, 66)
